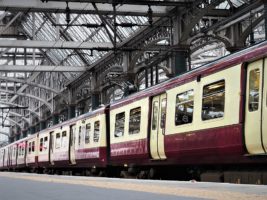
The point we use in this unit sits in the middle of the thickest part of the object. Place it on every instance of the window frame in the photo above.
(209, 84)
(88, 129)
(98, 138)
(249, 89)
(153, 128)
(117, 127)
(182, 103)
(58, 144)
(129, 124)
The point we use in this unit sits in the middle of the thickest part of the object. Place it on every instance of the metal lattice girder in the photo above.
(30, 96)
(17, 80)
(14, 122)
(13, 104)
(81, 8)
(18, 115)
(132, 2)
(4, 133)
(55, 45)
(40, 68)
(237, 16)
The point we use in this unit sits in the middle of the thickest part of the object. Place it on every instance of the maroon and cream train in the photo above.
(215, 115)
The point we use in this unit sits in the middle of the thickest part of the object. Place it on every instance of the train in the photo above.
(208, 124)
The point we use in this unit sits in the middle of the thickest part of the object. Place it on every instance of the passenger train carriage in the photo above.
(213, 116)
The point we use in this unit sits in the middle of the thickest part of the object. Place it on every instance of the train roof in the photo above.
(246, 55)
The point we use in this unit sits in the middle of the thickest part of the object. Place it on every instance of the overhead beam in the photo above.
(237, 16)
(131, 2)
(17, 80)
(30, 96)
(13, 104)
(4, 133)
(78, 7)
(54, 45)
(18, 115)
(40, 68)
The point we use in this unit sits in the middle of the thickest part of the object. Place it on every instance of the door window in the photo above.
(155, 115)
(163, 113)
(254, 86)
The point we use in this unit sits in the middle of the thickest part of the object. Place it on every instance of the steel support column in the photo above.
(71, 111)
(146, 77)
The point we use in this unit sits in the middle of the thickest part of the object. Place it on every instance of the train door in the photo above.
(72, 144)
(51, 147)
(255, 109)
(264, 107)
(158, 116)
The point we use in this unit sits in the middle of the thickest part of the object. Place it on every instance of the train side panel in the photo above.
(13, 156)
(203, 119)
(43, 149)
(21, 158)
(60, 146)
(32, 151)
(2, 151)
(91, 141)
(129, 133)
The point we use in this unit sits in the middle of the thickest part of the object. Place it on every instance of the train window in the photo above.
(87, 133)
(45, 145)
(33, 146)
(184, 108)
(119, 124)
(23, 150)
(254, 85)
(64, 141)
(213, 100)
(155, 115)
(80, 133)
(96, 131)
(135, 121)
(163, 113)
(41, 144)
(58, 141)
(14, 152)
(30, 148)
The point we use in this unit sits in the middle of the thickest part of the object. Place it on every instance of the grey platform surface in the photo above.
(14, 186)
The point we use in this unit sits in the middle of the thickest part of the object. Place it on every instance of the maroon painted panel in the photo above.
(61, 156)
(135, 151)
(215, 145)
(90, 157)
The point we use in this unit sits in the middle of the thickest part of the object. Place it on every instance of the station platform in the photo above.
(20, 186)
